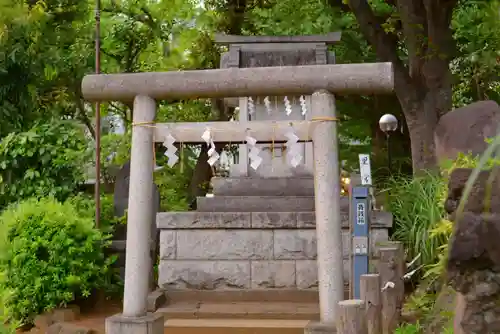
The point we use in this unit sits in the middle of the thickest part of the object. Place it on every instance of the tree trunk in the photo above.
(234, 12)
(422, 80)
(422, 117)
(202, 174)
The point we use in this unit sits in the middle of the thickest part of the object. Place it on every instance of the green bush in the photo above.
(420, 221)
(50, 255)
(409, 329)
(417, 328)
(5, 326)
(85, 205)
(418, 206)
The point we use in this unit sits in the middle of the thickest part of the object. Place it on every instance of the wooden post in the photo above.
(400, 271)
(391, 312)
(351, 317)
(400, 266)
(372, 295)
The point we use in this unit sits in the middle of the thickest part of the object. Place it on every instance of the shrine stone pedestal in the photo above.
(250, 238)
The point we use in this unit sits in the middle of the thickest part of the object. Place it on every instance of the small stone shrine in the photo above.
(258, 230)
(120, 200)
(266, 51)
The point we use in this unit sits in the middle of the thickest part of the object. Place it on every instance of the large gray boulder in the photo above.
(466, 129)
(473, 264)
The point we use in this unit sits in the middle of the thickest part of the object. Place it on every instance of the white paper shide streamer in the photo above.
(288, 106)
(267, 104)
(293, 148)
(254, 151)
(213, 156)
(303, 105)
(171, 150)
(251, 105)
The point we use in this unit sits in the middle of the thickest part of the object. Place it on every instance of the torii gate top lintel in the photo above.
(367, 78)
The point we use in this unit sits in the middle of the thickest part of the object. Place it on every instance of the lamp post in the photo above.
(388, 123)
(97, 189)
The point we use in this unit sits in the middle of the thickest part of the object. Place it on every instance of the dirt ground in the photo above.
(94, 317)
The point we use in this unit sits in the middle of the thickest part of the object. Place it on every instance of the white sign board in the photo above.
(361, 214)
(365, 169)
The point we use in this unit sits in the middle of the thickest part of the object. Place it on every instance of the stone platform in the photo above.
(245, 250)
(237, 241)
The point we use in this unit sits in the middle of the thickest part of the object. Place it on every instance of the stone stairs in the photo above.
(234, 326)
(250, 312)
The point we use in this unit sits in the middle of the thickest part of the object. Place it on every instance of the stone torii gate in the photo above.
(145, 88)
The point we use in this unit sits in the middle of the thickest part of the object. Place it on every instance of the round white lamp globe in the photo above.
(388, 123)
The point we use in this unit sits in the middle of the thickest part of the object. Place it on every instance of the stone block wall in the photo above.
(251, 250)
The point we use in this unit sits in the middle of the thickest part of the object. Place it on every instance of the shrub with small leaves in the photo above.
(49, 256)
(85, 205)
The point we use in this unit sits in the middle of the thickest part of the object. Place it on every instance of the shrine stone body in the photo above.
(258, 230)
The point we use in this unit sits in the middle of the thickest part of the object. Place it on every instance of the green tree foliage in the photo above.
(477, 66)
(417, 37)
(46, 160)
(47, 47)
(360, 114)
(43, 55)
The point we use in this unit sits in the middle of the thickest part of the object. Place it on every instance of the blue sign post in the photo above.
(360, 229)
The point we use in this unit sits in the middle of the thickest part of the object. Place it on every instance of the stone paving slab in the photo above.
(232, 275)
(241, 310)
(235, 326)
(247, 296)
